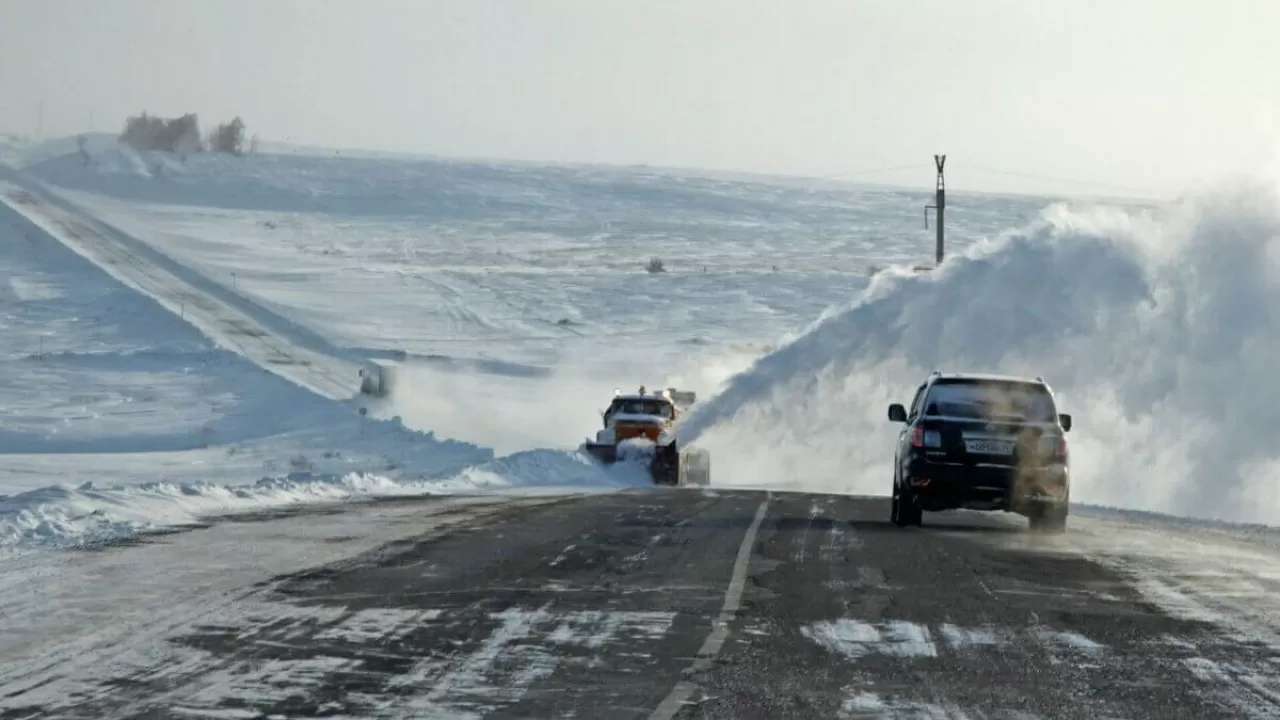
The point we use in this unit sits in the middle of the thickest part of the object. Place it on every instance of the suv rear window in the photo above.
(991, 400)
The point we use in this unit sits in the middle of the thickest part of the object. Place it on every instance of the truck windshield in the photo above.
(991, 400)
(631, 406)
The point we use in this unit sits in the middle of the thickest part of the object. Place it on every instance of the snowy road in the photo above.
(201, 302)
(659, 604)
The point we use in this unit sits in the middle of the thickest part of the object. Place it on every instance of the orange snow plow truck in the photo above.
(642, 426)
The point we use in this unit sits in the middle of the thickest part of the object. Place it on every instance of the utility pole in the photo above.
(939, 206)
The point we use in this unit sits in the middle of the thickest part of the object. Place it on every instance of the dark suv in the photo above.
(984, 442)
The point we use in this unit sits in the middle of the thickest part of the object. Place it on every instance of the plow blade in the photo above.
(669, 465)
(606, 454)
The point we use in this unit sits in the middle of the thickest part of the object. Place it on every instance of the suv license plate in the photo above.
(989, 447)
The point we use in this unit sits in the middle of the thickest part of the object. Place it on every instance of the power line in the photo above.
(1046, 178)
(995, 171)
(870, 171)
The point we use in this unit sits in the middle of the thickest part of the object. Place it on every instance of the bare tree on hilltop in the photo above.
(228, 137)
(182, 135)
(148, 132)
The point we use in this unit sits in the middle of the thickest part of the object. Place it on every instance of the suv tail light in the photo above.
(1055, 446)
(926, 438)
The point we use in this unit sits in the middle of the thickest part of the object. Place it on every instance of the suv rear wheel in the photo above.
(1049, 519)
(904, 509)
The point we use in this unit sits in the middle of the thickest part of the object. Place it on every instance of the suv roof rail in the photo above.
(935, 373)
(1039, 378)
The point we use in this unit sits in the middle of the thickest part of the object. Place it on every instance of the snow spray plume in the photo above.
(511, 408)
(1159, 330)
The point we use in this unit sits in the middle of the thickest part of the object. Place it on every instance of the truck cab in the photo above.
(647, 415)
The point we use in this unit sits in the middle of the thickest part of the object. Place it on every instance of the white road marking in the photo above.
(1068, 639)
(521, 651)
(470, 678)
(855, 639)
(377, 624)
(861, 704)
(719, 626)
(964, 637)
(524, 648)
(564, 555)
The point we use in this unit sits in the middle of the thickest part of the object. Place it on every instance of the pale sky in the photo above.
(1150, 94)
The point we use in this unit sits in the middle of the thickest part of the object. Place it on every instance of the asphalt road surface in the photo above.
(684, 603)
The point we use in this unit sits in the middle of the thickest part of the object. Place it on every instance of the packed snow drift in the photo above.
(1158, 329)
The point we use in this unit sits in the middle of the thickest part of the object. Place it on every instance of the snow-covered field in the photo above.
(516, 299)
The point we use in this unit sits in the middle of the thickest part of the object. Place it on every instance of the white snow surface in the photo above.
(514, 300)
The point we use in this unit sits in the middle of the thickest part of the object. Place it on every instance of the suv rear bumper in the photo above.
(945, 486)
